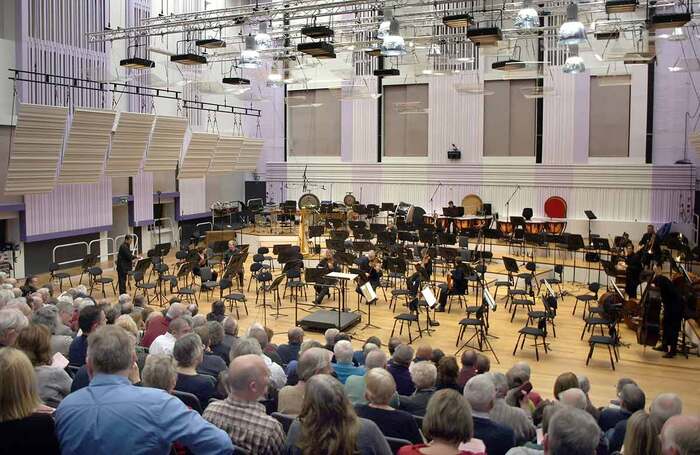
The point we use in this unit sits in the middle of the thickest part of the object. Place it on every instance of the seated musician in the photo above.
(672, 314)
(370, 265)
(650, 246)
(456, 284)
(427, 263)
(623, 242)
(329, 265)
(230, 253)
(202, 262)
(631, 264)
(390, 227)
(413, 282)
(450, 204)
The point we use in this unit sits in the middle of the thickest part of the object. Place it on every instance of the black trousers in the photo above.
(672, 327)
(121, 275)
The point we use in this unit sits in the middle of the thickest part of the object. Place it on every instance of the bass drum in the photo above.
(349, 200)
(309, 201)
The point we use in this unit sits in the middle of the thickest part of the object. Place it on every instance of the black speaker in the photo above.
(527, 213)
(486, 208)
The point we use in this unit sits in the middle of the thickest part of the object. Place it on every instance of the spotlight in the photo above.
(669, 20)
(318, 49)
(574, 65)
(210, 43)
(572, 31)
(393, 45)
(250, 57)
(317, 31)
(458, 20)
(189, 59)
(235, 81)
(484, 35)
(527, 18)
(137, 63)
(262, 39)
(384, 26)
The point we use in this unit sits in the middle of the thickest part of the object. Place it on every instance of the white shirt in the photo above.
(163, 344)
(277, 376)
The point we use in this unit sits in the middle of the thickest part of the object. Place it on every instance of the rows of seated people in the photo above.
(83, 376)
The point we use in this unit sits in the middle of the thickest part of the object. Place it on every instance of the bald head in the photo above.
(665, 406)
(680, 435)
(575, 398)
(248, 377)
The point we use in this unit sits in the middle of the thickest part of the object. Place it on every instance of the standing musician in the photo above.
(125, 260)
(650, 246)
(329, 265)
(632, 266)
(456, 284)
(230, 253)
(673, 311)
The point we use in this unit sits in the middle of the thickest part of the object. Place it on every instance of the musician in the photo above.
(390, 227)
(623, 242)
(632, 266)
(201, 261)
(673, 311)
(456, 284)
(650, 246)
(413, 282)
(372, 267)
(451, 204)
(125, 260)
(329, 266)
(427, 263)
(230, 253)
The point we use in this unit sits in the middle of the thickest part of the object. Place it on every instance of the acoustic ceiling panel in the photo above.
(199, 154)
(88, 138)
(166, 142)
(227, 152)
(129, 144)
(38, 140)
(250, 152)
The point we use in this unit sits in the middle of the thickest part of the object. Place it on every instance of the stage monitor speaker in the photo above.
(255, 189)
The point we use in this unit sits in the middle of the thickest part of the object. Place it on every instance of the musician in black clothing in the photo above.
(413, 282)
(329, 265)
(125, 260)
(457, 284)
(633, 271)
(230, 253)
(651, 249)
(673, 312)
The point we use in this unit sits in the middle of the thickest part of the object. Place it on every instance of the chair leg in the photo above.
(517, 343)
(590, 354)
(585, 326)
(393, 328)
(612, 363)
(575, 305)
(537, 351)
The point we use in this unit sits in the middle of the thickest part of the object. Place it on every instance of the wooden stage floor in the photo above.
(568, 352)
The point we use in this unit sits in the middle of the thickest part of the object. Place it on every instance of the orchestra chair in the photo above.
(558, 270)
(408, 318)
(595, 320)
(528, 276)
(55, 274)
(539, 334)
(524, 302)
(503, 283)
(187, 293)
(549, 312)
(206, 283)
(231, 298)
(190, 400)
(611, 341)
(477, 323)
(255, 268)
(591, 257)
(396, 294)
(396, 443)
(144, 287)
(295, 284)
(96, 277)
(586, 299)
(272, 288)
(265, 252)
(517, 239)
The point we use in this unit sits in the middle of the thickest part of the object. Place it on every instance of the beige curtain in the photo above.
(405, 120)
(610, 119)
(509, 119)
(313, 122)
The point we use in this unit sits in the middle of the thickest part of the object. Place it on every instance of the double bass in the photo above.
(649, 328)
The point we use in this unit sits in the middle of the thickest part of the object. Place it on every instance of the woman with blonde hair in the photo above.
(328, 424)
(642, 435)
(26, 425)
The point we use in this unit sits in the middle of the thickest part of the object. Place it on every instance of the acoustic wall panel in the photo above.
(250, 152)
(129, 144)
(228, 149)
(166, 142)
(198, 155)
(38, 141)
(88, 138)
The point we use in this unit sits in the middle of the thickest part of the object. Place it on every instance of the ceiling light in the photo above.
(434, 50)
(189, 59)
(508, 65)
(458, 20)
(262, 39)
(669, 20)
(274, 75)
(383, 30)
(574, 65)
(210, 43)
(572, 31)
(527, 17)
(632, 58)
(235, 81)
(677, 35)
(427, 71)
(484, 35)
(318, 49)
(465, 59)
(137, 63)
(393, 45)
(250, 57)
(317, 31)
(620, 6)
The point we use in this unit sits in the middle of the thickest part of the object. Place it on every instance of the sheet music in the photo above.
(549, 288)
(489, 299)
(617, 289)
(368, 292)
(342, 276)
(429, 297)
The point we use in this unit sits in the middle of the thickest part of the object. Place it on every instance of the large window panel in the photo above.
(406, 120)
(609, 117)
(313, 122)
(509, 119)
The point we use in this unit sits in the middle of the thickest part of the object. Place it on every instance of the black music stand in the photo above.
(345, 259)
(386, 238)
(574, 243)
(361, 246)
(407, 236)
(388, 207)
(591, 216)
(336, 245)
(376, 228)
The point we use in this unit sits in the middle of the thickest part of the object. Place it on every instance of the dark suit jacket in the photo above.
(497, 438)
(124, 257)
(610, 416)
(289, 352)
(416, 403)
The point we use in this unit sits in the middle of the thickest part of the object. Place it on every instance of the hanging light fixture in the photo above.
(384, 26)
(527, 17)
(262, 39)
(393, 45)
(250, 57)
(572, 31)
(678, 35)
(434, 50)
(573, 64)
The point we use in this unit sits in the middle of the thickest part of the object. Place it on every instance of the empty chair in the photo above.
(144, 287)
(408, 318)
(97, 278)
(610, 341)
(232, 299)
(587, 298)
(265, 251)
(207, 284)
(539, 334)
(56, 274)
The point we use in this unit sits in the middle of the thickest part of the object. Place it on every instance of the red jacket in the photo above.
(155, 328)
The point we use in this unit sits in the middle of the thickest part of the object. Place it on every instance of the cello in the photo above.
(649, 328)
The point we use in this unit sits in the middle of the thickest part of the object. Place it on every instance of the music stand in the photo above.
(362, 245)
(388, 207)
(343, 258)
(574, 243)
(370, 296)
(511, 265)
(483, 343)
(376, 228)
(517, 221)
(407, 236)
(336, 245)
(591, 216)
(430, 304)
(601, 244)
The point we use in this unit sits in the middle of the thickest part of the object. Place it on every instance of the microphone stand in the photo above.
(517, 188)
(432, 210)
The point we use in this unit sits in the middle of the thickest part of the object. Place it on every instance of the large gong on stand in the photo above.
(309, 201)
(309, 205)
(349, 200)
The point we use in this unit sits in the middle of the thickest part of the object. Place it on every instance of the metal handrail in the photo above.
(134, 246)
(107, 239)
(211, 226)
(65, 245)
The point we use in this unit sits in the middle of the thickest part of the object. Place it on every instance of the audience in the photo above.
(11, 323)
(519, 419)
(90, 319)
(131, 419)
(371, 344)
(423, 375)
(571, 432)
(680, 435)
(211, 364)
(392, 422)
(160, 372)
(468, 370)
(665, 406)
(328, 424)
(481, 394)
(632, 399)
(356, 385)
(218, 311)
(290, 351)
(447, 424)
(585, 385)
(53, 382)
(65, 315)
(26, 425)
(217, 334)
(249, 345)
(394, 342)
(258, 332)
(48, 317)
(313, 361)
(447, 374)
(292, 377)
(230, 334)
(164, 344)
(642, 435)
(240, 415)
(343, 366)
(330, 335)
(483, 364)
(398, 367)
(188, 353)
(424, 352)
(564, 382)
(158, 325)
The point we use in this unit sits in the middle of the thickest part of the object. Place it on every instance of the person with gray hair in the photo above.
(216, 340)
(48, 317)
(199, 320)
(398, 367)
(258, 332)
(188, 353)
(355, 385)
(481, 394)
(241, 415)
(126, 305)
(518, 419)
(665, 406)
(65, 315)
(585, 385)
(680, 435)
(156, 419)
(159, 372)
(249, 345)
(12, 322)
(165, 343)
(230, 334)
(343, 365)
(571, 432)
(423, 375)
(290, 351)
(574, 398)
(632, 399)
(329, 336)
(5, 296)
(311, 362)
(615, 412)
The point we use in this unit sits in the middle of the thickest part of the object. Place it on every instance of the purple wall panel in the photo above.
(143, 196)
